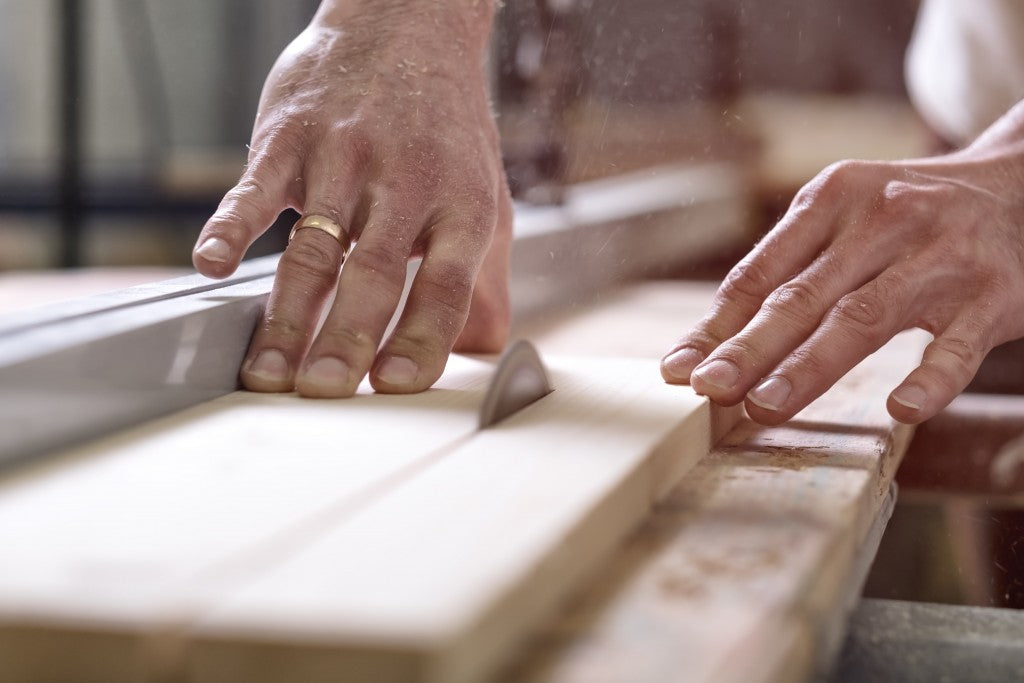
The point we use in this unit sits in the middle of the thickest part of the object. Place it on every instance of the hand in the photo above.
(378, 119)
(866, 250)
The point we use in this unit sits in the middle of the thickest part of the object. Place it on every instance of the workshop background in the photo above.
(122, 123)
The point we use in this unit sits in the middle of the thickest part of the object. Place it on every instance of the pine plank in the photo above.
(146, 532)
(736, 576)
(122, 540)
(745, 572)
(441, 578)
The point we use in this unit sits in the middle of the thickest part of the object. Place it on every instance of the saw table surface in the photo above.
(265, 538)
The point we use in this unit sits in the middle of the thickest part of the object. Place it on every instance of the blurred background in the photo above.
(123, 122)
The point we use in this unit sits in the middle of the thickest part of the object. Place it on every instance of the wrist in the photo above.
(463, 26)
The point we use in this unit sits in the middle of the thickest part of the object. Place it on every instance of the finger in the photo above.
(947, 367)
(857, 326)
(306, 275)
(793, 244)
(786, 319)
(438, 306)
(368, 292)
(487, 327)
(245, 213)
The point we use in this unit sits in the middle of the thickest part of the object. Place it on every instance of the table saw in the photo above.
(158, 525)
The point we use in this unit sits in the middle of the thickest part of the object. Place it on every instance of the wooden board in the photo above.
(748, 570)
(383, 531)
(126, 538)
(743, 574)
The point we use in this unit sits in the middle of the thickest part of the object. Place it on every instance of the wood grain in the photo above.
(261, 527)
(129, 537)
(454, 566)
(266, 538)
(745, 572)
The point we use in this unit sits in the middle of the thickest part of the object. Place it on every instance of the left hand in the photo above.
(869, 249)
(378, 120)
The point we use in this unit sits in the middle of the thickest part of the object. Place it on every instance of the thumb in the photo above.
(245, 213)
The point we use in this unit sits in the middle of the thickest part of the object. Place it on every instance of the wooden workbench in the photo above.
(744, 572)
(748, 571)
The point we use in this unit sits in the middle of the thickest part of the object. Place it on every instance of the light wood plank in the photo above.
(449, 571)
(744, 573)
(127, 537)
(638, 321)
(810, 489)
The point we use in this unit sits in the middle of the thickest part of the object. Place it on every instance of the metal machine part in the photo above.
(87, 367)
(894, 640)
(519, 380)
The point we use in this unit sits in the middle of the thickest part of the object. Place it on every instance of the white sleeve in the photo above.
(965, 64)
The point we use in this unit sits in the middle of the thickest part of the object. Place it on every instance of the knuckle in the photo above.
(956, 358)
(799, 298)
(227, 221)
(472, 218)
(863, 314)
(308, 258)
(355, 146)
(839, 174)
(811, 365)
(475, 231)
(701, 337)
(831, 183)
(747, 283)
(398, 223)
(480, 201)
(421, 161)
(448, 291)
(346, 337)
(377, 257)
(283, 139)
(900, 201)
(249, 188)
(282, 329)
(741, 353)
(247, 197)
(421, 342)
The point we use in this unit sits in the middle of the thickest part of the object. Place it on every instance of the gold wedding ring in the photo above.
(322, 223)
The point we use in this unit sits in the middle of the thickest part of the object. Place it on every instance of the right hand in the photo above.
(380, 121)
(869, 249)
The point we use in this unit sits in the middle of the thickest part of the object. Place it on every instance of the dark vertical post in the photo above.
(69, 81)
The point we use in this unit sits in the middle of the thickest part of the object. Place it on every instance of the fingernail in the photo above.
(270, 364)
(214, 249)
(718, 373)
(326, 372)
(771, 393)
(910, 396)
(681, 363)
(398, 370)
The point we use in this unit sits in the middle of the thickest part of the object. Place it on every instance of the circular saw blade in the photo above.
(519, 380)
